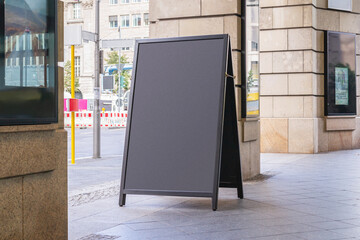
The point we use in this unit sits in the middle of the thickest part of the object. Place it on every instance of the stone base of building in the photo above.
(309, 135)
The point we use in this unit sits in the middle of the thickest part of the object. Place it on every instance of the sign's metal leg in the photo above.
(214, 203)
(122, 199)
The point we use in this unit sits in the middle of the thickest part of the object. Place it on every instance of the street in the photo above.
(112, 142)
(88, 174)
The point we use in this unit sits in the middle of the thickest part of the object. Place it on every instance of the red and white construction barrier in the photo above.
(85, 119)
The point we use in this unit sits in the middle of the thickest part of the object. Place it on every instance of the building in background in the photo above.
(131, 16)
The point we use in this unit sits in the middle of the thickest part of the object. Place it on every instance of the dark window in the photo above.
(28, 80)
(340, 74)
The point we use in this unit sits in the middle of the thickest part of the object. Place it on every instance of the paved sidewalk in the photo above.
(299, 197)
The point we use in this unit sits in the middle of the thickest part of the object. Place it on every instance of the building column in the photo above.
(292, 77)
(33, 173)
(172, 18)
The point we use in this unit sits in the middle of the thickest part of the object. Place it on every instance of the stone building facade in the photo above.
(82, 12)
(292, 77)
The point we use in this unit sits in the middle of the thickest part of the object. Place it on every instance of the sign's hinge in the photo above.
(231, 76)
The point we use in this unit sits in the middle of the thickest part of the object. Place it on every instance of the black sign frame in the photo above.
(336, 58)
(228, 166)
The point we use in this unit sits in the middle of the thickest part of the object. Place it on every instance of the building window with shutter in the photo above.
(77, 66)
(136, 20)
(125, 21)
(77, 11)
(113, 21)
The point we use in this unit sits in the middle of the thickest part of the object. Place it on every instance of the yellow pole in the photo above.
(72, 96)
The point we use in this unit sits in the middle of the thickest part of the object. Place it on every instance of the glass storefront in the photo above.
(250, 82)
(28, 86)
(340, 74)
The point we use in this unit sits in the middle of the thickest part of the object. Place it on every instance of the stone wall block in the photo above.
(356, 135)
(301, 84)
(274, 135)
(313, 62)
(285, 62)
(301, 135)
(327, 20)
(273, 3)
(300, 39)
(349, 22)
(356, 6)
(45, 198)
(27, 152)
(288, 17)
(340, 124)
(318, 40)
(164, 29)
(299, 2)
(266, 107)
(323, 136)
(236, 58)
(232, 26)
(321, 3)
(341, 140)
(274, 84)
(266, 18)
(11, 208)
(251, 131)
(288, 107)
(255, 153)
(266, 60)
(173, 9)
(320, 107)
(238, 102)
(214, 7)
(310, 106)
(245, 159)
(201, 26)
(309, 12)
(273, 40)
(319, 84)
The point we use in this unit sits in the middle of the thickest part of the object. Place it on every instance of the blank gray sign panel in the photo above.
(174, 140)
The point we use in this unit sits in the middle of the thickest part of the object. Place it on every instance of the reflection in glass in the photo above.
(26, 44)
(28, 81)
(252, 58)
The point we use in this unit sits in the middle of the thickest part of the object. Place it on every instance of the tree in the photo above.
(67, 78)
(113, 59)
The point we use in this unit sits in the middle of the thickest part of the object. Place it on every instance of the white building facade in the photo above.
(131, 16)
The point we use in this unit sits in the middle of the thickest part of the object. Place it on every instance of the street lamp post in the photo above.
(97, 119)
(119, 73)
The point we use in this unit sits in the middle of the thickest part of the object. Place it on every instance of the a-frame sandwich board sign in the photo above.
(182, 134)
